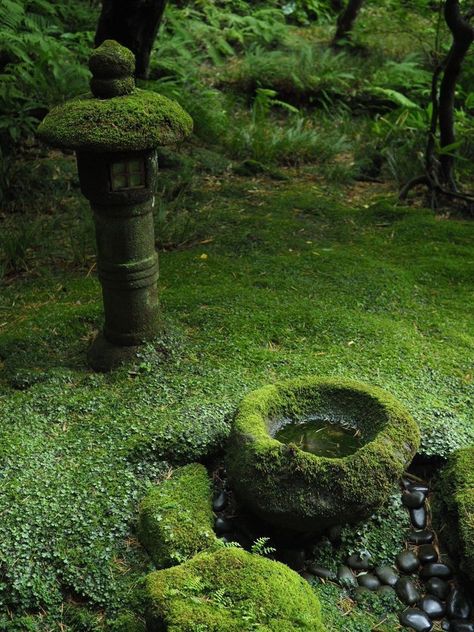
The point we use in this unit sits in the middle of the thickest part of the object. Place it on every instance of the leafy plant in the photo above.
(260, 547)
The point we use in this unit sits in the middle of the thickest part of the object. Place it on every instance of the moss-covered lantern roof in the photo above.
(115, 116)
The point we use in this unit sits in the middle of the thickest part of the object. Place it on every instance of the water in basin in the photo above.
(321, 438)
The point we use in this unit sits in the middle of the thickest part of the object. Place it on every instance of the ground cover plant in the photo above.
(284, 251)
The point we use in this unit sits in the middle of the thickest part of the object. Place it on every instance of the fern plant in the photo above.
(260, 547)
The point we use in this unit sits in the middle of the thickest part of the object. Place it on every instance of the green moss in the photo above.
(382, 294)
(141, 120)
(176, 519)
(231, 591)
(373, 612)
(453, 510)
(301, 490)
(111, 60)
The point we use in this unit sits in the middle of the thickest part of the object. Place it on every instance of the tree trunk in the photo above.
(463, 36)
(345, 21)
(134, 24)
(337, 5)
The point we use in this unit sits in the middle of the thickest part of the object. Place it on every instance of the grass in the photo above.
(288, 280)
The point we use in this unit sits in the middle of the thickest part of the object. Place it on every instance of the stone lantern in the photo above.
(115, 132)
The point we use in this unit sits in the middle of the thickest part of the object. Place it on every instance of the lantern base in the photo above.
(104, 356)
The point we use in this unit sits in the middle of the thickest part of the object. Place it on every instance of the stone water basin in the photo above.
(310, 453)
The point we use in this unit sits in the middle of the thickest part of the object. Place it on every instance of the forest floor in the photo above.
(261, 279)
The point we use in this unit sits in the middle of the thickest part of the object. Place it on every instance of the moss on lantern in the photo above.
(138, 121)
(111, 60)
(306, 492)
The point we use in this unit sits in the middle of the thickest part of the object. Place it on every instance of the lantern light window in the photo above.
(128, 174)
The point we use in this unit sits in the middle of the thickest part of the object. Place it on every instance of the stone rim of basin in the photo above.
(304, 492)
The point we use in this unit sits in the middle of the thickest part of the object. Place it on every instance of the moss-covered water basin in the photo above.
(321, 437)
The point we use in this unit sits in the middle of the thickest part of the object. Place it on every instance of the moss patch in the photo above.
(141, 120)
(307, 492)
(453, 510)
(231, 591)
(176, 519)
(295, 281)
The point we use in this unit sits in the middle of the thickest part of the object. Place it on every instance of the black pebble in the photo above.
(407, 591)
(359, 562)
(419, 487)
(334, 534)
(418, 517)
(386, 590)
(320, 571)
(219, 502)
(427, 554)
(437, 587)
(308, 577)
(294, 558)
(221, 526)
(346, 577)
(433, 607)
(436, 569)
(420, 537)
(367, 580)
(457, 605)
(416, 620)
(407, 562)
(462, 626)
(360, 591)
(413, 500)
(387, 575)
(445, 625)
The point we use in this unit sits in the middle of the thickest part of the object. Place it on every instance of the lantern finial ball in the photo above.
(112, 66)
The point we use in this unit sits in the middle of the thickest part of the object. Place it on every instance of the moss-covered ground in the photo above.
(281, 278)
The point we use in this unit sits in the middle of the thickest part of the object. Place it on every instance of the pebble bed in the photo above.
(423, 579)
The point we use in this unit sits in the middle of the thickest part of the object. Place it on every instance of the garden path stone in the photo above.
(416, 620)
(407, 561)
(436, 569)
(219, 502)
(387, 575)
(221, 526)
(421, 537)
(320, 571)
(368, 580)
(457, 605)
(433, 607)
(346, 577)
(419, 487)
(407, 591)
(360, 592)
(413, 500)
(427, 554)
(418, 517)
(461, 626)
(359, 562)
(437, 587)
(386, 590)
(294, 558)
